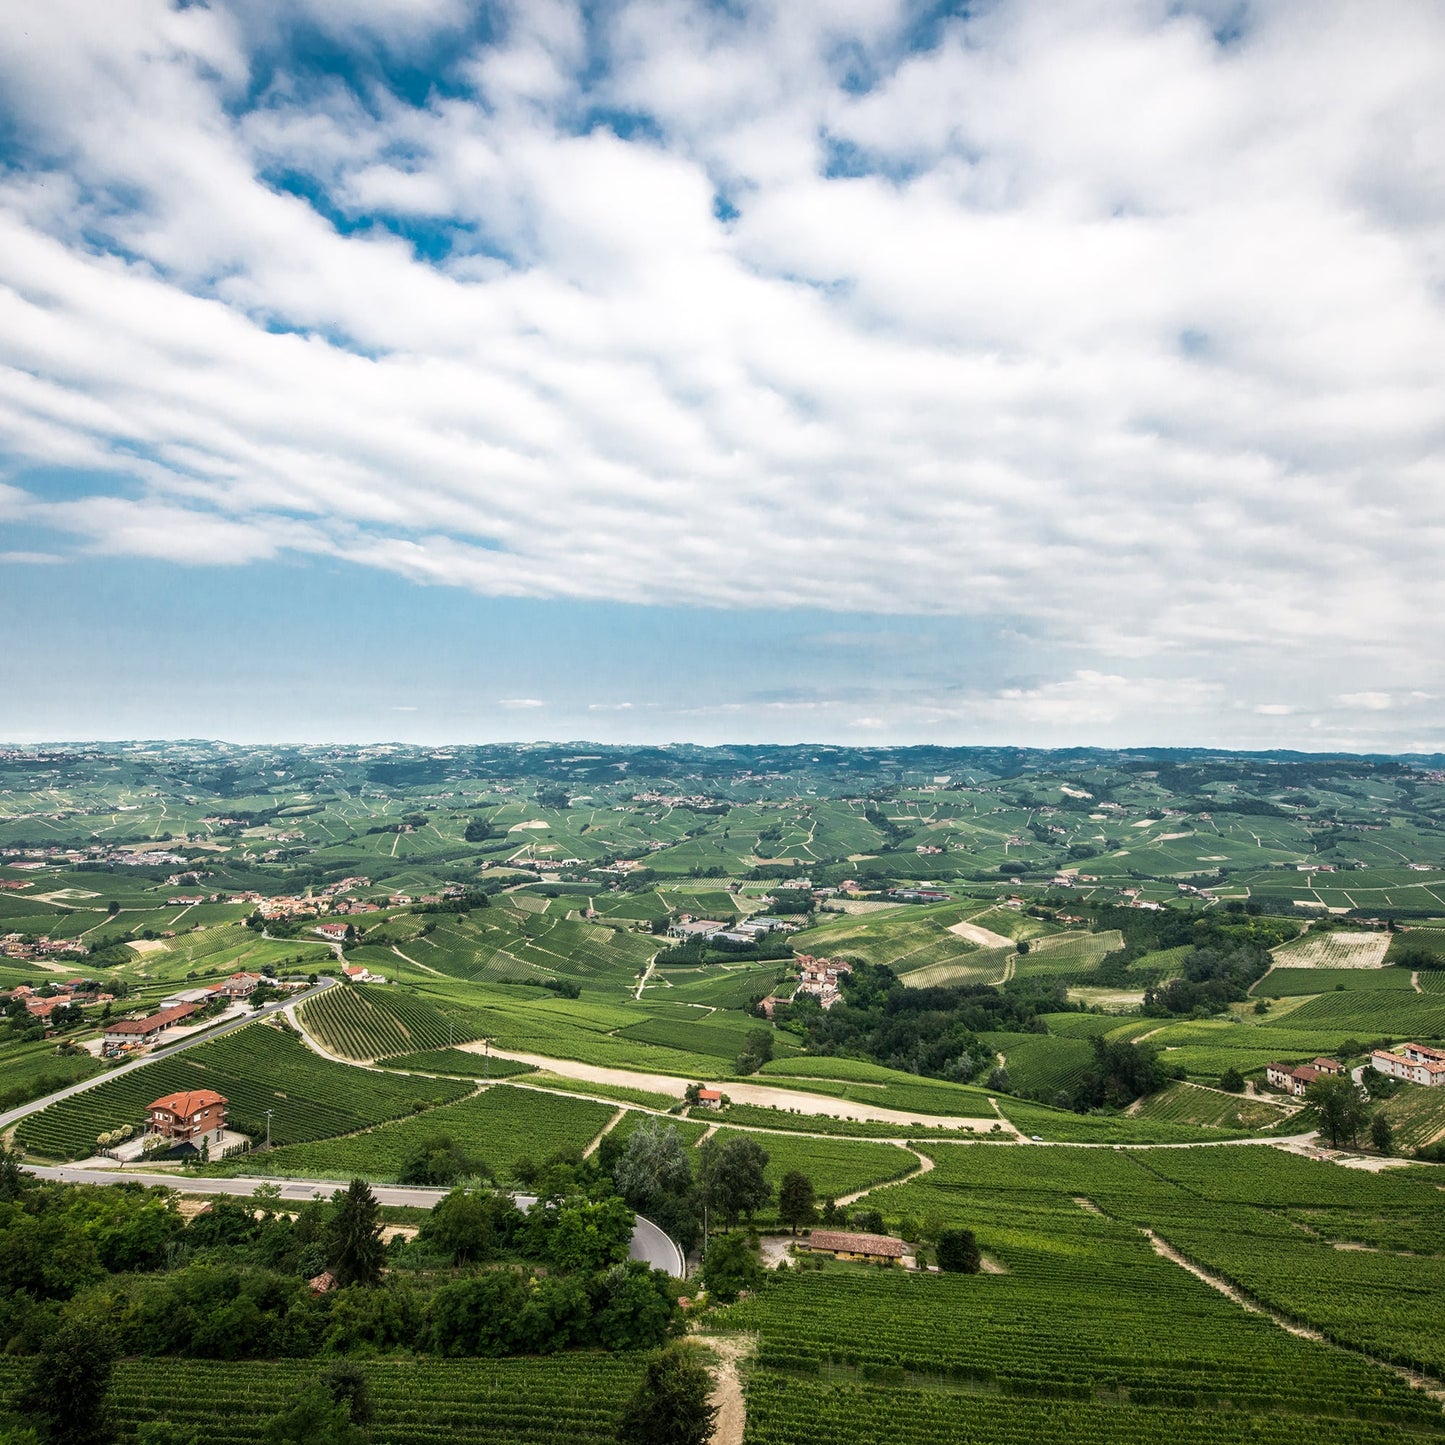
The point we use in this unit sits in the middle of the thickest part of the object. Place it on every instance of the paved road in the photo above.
(204, 1036)
(649, 1243)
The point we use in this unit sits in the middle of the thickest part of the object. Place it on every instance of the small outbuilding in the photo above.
(871, 1248)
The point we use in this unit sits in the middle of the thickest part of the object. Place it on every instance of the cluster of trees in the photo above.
(235, 1282)
(1344, 1114)
(654, 1173)
(928, 1031)
(1119, 1073)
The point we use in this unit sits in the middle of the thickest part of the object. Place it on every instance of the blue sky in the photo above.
(869, 371)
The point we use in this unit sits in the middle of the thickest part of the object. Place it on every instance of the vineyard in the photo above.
(499, 1126)
(1086, 1312)
(1185, 1103)
(360, 1022)
(786, 1410)
(576, 1398)
(460, 1062)
(256, 1068)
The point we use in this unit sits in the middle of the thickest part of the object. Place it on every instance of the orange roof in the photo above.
(188, 1101)
(709, 1093)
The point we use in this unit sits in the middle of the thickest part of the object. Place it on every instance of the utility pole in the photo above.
(268, 1128)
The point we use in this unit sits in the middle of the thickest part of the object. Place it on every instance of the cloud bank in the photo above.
(1118, 324)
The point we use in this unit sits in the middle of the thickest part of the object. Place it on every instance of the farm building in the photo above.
(187, 1115)
(709, 1098)
(333, 932)
(239, 985)
(1293, 1079)
(1414, 1063)
(686, 928)
(145, 1031)
(872, 1248)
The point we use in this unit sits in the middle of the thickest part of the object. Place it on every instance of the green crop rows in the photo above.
(576, 1398)
(499, 1127)
(366, 1023)
(256, 1069)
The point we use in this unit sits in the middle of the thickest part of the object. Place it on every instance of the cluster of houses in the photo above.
(1294, 1079)
(1414, 1063)
(134, 1035)
(59, 993)
(16, 946)
(820, 978)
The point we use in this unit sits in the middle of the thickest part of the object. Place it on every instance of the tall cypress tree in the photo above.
(354, 1248)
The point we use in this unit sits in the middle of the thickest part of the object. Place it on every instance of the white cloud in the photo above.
(1274, 709)
(520, 702)
(1077, 322)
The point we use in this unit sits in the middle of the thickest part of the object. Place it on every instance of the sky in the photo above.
(1044, 372)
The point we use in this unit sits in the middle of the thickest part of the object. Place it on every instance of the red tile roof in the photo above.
(876, 1244)
(188, 1102)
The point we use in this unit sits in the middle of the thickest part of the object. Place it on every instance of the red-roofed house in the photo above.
(709, 1098)
(188, 1114)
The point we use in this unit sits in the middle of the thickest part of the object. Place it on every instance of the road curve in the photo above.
(650, 1244)
(203, 1037)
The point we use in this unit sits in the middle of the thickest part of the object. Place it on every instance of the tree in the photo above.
(958, 1252)
(1341, 1110)
(471, 1226)
(12, 1178)
(353, 1240)
(313, 1418)
(1232, 1081)
(732, 1175)
(671, 1405)
(654, 1175)
(347, 1385)
(68, 1392)
(1382, 1134)
(730, 1268)
(796, 1200)
(437, 1159)
(590, 1236)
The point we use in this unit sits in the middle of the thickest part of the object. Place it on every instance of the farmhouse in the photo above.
(333, 932)
(239, 985)
(357, 973)
(129, 1032)
(1414, 1063)
(873, 1248)
(187, 1115)
(709, 1098)
(1293, 1080)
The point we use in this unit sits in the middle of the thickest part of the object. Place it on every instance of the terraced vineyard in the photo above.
(415, 1402)
(367, 1022)
(257, 1068)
